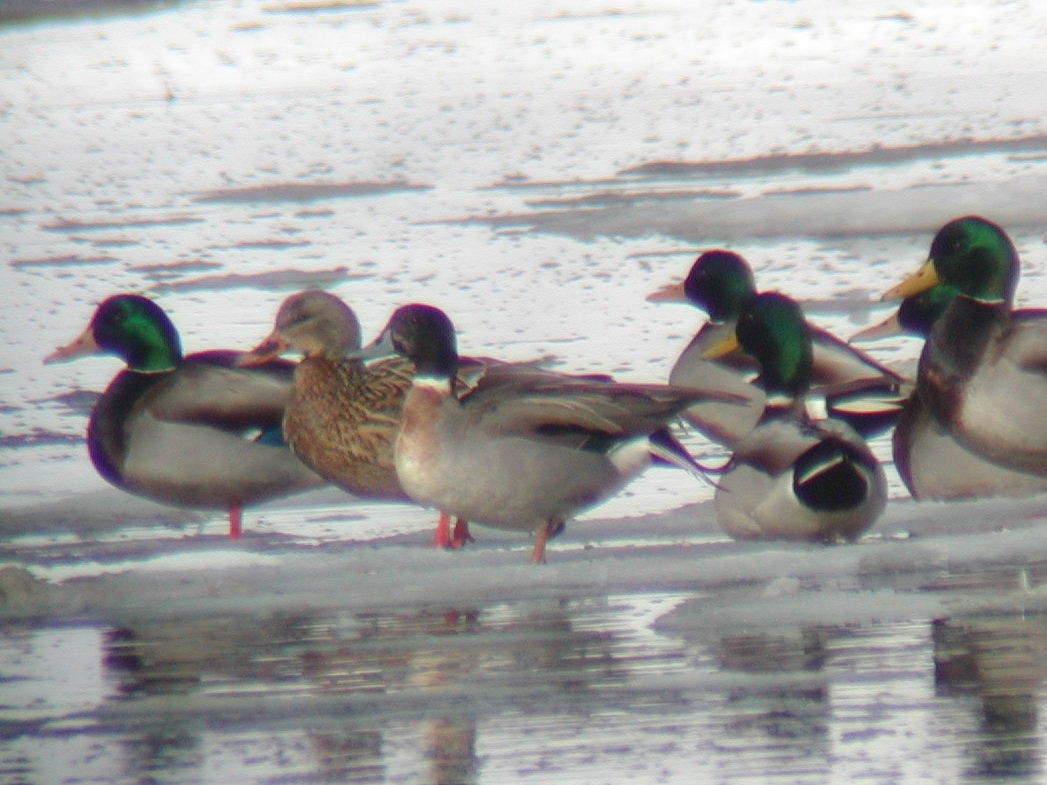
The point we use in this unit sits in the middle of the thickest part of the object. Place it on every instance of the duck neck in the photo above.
(419, 419)
(156, 357)
(960, 337)
(433, 384)
(436, 369)
(786, 381)
(956, 347)
(147, 346)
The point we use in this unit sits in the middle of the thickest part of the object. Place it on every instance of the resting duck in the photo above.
(983, 369)
(528, 453)
(792, 477)
(856, 388)
(932, 464)
(189, 431)
(342, 416)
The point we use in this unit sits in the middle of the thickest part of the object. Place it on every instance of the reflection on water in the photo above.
(546, 691)
(1001, 664)
(781, 717)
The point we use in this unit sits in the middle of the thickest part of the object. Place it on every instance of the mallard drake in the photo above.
(931, 463)
(856, 388)
(190, 431)
(983, 370)
(792, 477)
(527, 453)
(342, 416)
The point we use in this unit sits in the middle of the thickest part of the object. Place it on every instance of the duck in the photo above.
(527, 453)
(792, 477)
(982, 372)
(854, 386)
(190, 431)
(932, 464)
(342, 416)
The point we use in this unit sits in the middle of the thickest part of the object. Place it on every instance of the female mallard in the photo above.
(856, 387)
(983, 370)
(342, 416)
(179, 429)
(791, 477)
(932, 464)
(527, 453)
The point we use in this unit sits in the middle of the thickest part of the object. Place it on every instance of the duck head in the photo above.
(312, 322)
(720, 283)
(771, 329)
(972, 255)
(424, 335)
(133, 328)
(915, 316)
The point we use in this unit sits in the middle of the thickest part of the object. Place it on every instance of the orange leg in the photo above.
(235, 521)
(461, 534)
(442, 536)
(541, 537)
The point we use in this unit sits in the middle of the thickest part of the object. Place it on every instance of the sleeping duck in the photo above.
(792, 477)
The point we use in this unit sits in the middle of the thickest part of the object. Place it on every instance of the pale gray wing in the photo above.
(536, 407)
(227, 398)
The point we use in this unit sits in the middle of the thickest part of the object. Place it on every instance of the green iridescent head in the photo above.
(773, 330)
(977, 258)
(721, 283)
(137, 330)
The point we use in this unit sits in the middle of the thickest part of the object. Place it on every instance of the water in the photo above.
(579, 690)
(536, 170)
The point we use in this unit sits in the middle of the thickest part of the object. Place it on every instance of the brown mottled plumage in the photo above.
(342, 421)
(342, 416)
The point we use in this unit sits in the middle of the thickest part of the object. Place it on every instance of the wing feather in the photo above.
(536, 406)
(206, 392)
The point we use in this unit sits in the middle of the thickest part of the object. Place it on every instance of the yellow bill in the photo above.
(920, 281)
(722, 348)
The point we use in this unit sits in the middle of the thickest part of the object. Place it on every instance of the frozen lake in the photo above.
(535, 169)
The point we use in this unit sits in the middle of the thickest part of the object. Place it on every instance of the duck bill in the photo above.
(81, 346)
(670, 293)
(889, 327)
(269, 349)
(727, 345)
(920, 281)
(382, 346)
